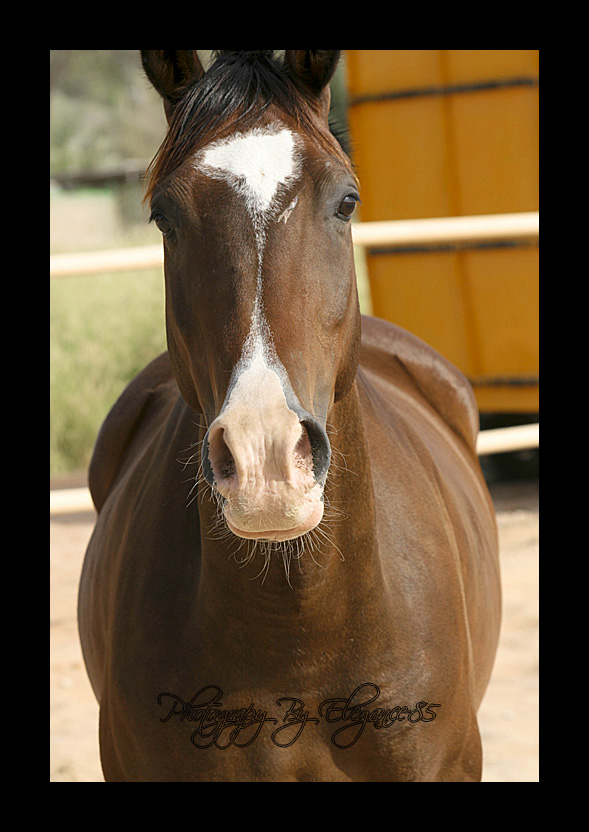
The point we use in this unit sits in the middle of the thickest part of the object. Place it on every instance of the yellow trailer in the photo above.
(452, 133)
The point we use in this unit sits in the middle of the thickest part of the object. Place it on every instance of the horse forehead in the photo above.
(258, 162)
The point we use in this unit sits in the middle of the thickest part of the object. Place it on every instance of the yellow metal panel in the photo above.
(495, 149)
(423, 295)
(468, 65)
(375, 70)
(503, 289)
(407, 138)
(434, 146)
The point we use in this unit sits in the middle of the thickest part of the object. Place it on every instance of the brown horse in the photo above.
(320, 602)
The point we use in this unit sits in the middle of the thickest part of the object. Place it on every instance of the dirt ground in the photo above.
(508, 717)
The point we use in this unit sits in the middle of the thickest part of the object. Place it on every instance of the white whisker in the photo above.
(316, 543)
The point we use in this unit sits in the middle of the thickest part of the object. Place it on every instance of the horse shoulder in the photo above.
(396, 356)
(135, 407)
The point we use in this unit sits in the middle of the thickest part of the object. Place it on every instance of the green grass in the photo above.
(104, 330)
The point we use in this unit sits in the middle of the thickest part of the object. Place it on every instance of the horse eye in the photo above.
(162, 223)
(347, 207)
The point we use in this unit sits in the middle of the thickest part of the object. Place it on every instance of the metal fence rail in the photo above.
(484, 228)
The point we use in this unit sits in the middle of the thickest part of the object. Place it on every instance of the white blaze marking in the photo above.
(257, 165)
(256, 416)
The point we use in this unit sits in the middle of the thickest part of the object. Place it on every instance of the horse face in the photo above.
(262, 314)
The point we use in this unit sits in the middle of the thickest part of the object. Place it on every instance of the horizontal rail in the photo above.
(499, 440)
(503, 440)
(392, 234)
(70, 501)
(451, 230)
(114, 260)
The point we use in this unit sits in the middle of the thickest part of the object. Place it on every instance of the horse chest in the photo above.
(250, 737)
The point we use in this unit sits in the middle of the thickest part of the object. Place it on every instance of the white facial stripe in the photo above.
(257, 165)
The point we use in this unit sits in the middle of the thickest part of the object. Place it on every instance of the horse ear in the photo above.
(171, 71)
(312, 70)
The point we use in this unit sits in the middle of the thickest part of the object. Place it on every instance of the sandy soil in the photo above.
(509, 715)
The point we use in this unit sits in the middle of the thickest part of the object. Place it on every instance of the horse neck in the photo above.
(340, 574)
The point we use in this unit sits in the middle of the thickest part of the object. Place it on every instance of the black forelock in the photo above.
(234, 92)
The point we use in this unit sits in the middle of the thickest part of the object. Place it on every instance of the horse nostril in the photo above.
(320, 448)
(218, 463)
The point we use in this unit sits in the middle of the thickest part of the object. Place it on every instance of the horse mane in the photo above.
(234, 93)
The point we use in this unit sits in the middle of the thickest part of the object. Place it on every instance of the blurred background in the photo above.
(432, 133)
(106, 123)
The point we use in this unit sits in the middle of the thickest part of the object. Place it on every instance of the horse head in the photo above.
(254, 196)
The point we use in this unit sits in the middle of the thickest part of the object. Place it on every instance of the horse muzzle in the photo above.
(268, 459)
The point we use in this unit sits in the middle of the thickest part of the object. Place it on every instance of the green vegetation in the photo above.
(104, 330)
